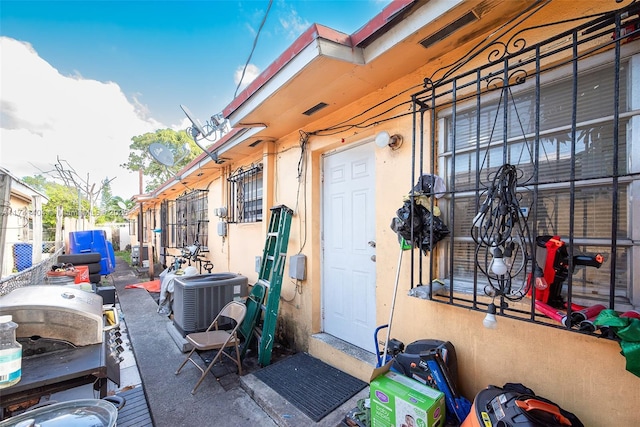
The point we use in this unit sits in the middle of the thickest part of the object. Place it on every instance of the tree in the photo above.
(67, 174)
(111, 209)
(60, 195)
(107, 195)
(38, 182)
(115, 210)
(157, 173)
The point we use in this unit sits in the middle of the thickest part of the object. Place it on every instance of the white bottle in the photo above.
(10, 353)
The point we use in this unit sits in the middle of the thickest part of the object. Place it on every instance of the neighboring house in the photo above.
(550, 87)
(21, 224)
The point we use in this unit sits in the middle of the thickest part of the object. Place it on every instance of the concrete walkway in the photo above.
(243, 402)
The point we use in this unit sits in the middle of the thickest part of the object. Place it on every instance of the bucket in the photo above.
(82, 274)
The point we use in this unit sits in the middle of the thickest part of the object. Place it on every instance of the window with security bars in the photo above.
(168, 224)
(574, 167)
(245, 194)
(537, 150)
(191, 219)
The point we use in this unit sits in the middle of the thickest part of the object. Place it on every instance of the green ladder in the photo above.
(270, 276)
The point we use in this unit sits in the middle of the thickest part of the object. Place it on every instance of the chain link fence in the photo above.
(32, 274)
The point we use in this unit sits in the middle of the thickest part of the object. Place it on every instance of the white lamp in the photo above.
(498, 266)
(384, 139)
(489, 321)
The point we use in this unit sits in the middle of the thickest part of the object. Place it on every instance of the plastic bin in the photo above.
(81, 242)
(22, 256)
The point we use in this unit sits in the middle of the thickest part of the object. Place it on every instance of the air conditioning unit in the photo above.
(198, 299)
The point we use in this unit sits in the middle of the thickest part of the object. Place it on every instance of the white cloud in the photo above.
(249, 75)
(292, 24)
(183, 125)
(46, 115)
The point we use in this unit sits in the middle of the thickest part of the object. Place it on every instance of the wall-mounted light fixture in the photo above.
(383, 139)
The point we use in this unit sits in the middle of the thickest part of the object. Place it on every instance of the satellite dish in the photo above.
(195, 122)
(162, 154)
(121, 205)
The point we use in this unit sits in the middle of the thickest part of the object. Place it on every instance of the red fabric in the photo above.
(152, 286)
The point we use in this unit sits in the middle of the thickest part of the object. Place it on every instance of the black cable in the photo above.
(255, 42)
(304, 138)
(500, 231)
(500, 210)
(343, 125)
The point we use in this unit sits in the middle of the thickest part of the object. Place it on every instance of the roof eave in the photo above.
(310, 41)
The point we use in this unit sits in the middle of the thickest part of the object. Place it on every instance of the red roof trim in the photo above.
(380, 20)
(312, 33)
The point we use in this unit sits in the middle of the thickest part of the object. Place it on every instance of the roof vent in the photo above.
(319, 106)
(465, 19)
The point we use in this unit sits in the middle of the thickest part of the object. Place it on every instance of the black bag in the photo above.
(419, 228)
(408, 363)
(518, 406)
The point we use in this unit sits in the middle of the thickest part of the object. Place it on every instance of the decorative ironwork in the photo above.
(192, 219)
(489, 123)
(245, 194)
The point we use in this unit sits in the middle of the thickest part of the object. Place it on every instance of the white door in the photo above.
(348, 233)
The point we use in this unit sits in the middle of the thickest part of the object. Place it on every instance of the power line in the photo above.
(255, 42)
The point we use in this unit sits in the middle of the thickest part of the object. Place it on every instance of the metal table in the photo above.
(56, 371)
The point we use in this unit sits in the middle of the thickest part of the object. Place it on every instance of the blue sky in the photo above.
(122, 68)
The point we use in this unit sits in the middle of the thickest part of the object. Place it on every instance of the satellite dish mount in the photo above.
(198, 131)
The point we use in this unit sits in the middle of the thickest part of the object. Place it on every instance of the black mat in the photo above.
(309, 384)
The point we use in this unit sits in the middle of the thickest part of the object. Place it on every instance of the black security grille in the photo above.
(245, 194)
(192, 219)
(533, 148)
(168, 224)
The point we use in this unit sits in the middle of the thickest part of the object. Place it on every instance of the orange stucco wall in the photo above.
(583, 374)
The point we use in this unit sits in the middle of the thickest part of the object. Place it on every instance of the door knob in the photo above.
(373, 258)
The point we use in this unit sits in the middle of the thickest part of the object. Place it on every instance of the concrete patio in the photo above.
(231, 401)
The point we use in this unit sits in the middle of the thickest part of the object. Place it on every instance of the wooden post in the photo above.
(59, 226)
(5, 197)
(141, 234)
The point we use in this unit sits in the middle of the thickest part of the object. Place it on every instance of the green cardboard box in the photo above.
(400, 401)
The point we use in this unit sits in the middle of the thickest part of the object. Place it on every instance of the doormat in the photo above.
(309, 384)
